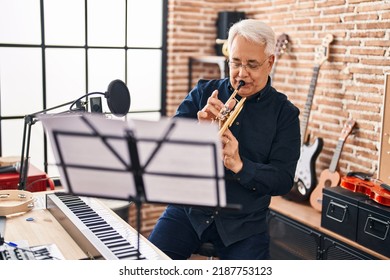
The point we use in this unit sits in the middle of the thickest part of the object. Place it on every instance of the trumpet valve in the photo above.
(223, 113)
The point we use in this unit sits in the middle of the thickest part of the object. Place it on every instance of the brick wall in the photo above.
(350, 83)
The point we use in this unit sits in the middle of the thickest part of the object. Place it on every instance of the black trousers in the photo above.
(175, 236)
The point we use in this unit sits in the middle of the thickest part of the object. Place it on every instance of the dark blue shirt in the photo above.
(268, 133)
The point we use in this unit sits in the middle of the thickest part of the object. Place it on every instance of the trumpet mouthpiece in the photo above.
(240, 84)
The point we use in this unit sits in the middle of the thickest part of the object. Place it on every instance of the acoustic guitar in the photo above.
(280, 48)
(331, 177)
(305, 174)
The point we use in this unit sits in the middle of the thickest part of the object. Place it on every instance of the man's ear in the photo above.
(271, 61)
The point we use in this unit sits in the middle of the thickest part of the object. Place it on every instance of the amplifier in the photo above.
(224, 21)
(374, 226)
(37, 180)
(340, 211)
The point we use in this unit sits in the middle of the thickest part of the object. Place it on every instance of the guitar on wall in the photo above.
(305, 174)
(331, 177)
(280, 49)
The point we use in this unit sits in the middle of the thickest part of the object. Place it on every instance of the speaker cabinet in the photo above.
(96, 105)
(291, 240)
(336, 250)
(224, 22)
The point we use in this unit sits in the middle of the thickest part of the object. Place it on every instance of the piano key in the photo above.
(105, 233)
(100, 229)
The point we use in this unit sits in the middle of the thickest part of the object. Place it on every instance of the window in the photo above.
(55, 51)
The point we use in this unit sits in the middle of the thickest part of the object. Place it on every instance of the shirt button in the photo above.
(207, 222)
(212, 217)
(237, 123)
(253, 189)
(216, 212)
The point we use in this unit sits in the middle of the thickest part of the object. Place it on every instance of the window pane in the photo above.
(20, 22)
(144, 79)
(105, 66)
(65, 22)
(12, 138)
(106, 23)
(65, 76)
(144, 23)
(20, 81)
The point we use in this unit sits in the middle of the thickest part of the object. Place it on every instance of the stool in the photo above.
(207, 249)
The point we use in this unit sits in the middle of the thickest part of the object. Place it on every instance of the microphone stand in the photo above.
(29, 120)
(118, 101)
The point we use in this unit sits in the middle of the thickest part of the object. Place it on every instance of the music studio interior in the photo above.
(331, 60)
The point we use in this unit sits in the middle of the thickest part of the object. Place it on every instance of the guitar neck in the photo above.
(281, 45)
(273, 68)
(309, 101)
(336, 156)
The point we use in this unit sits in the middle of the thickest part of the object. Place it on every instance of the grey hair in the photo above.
(255, 31)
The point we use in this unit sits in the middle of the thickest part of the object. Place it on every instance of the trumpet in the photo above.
(227, 116)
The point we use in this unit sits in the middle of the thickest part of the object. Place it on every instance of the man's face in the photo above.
(248, 62)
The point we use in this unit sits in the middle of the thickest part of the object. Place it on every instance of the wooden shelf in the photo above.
(219, 60)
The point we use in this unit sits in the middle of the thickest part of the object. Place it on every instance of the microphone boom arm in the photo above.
(29, 120)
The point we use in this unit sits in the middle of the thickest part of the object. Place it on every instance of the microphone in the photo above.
(118, 98)
(10, 168)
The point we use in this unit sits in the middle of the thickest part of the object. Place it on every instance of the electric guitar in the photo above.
(331, 177)
(281, 46)
(305, 175)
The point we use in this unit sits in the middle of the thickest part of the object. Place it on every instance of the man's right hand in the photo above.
(211, 111)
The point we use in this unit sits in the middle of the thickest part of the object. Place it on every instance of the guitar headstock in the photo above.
(281, 44)
(322, 52)
(347, 129)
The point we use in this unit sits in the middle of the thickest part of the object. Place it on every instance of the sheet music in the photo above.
(22, 251)
(91, 154)
(181, 158)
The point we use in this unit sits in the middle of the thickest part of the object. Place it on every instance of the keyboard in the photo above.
(99, 232)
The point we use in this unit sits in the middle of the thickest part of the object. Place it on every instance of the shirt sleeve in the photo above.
(195, 100)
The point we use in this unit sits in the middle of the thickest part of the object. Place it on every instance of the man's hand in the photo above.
(212, 111)
(212, 108)
(230, 152)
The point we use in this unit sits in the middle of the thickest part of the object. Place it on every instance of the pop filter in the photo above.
(118, 98)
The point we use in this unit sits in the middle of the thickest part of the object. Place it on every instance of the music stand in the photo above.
(175, 161)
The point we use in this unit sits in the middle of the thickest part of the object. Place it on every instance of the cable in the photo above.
(40, 180)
